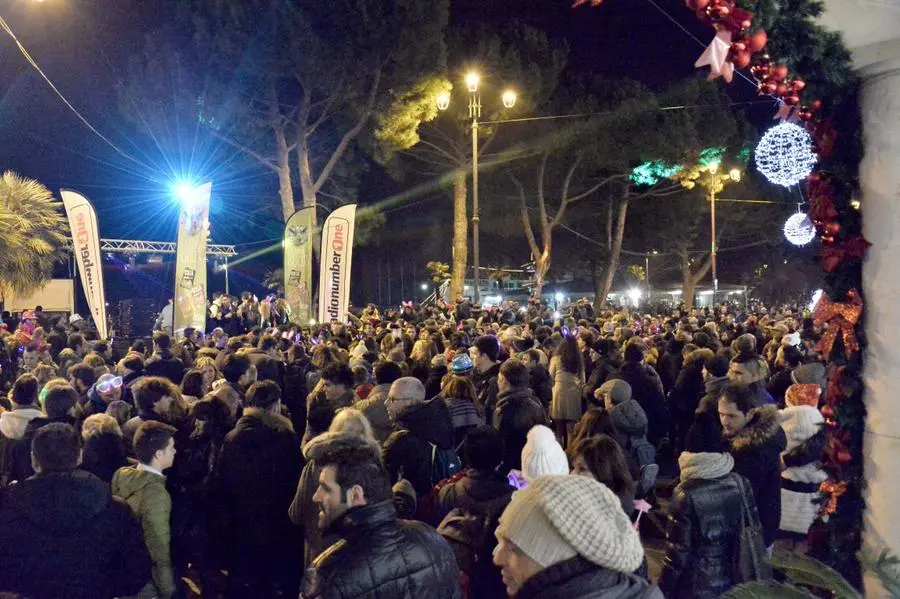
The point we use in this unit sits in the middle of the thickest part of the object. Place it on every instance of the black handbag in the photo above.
(750, 549)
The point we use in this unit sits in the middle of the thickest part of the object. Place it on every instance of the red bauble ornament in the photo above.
(758, 41)
(780, 72)
(798, 84)
(741, 59)
(745, 24)
(780, 89)
(832, 228)
(844, 456)
(792, 100)
(816, 105)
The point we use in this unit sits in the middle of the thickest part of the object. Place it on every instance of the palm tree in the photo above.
(32, 234)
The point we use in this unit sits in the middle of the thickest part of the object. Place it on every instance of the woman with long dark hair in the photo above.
(567, 374)
(594, 422)
(602, 459)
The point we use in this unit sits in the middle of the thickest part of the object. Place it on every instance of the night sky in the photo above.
(84, 46)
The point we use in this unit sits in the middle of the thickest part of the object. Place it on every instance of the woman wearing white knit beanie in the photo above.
(543, 454)
(567, 536)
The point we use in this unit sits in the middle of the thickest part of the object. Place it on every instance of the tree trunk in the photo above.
(460, 236)
(285, 189)
(688, 284)
(541, 266)
(616, 250)
(598, 280)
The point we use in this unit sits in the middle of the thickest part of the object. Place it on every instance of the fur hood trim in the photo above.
(698, 355)
(762, 426)
(276, 421)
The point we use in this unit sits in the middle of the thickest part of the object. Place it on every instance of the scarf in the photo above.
(704, 465)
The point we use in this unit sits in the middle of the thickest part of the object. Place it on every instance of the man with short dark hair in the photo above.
(154, 396)
(239, 374)
(163, 362)
(82, 377)
(267, 360)
(143, 487)
(378, 555)
(338, 385)
(254, 483)
(374, 407)
(14, 422)
(76, 349)
(485, 352)
(517, 411)
(63, 534)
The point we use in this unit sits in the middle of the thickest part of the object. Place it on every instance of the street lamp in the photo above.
(443, 102)
(735, 175)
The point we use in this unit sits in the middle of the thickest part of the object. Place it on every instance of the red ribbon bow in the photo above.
(834, 490)
(833, 256)
(839, 318)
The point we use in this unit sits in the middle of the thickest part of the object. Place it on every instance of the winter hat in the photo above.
(629, 418)
(803, 395)
(407, 388)
(557, 518)
(617, 390)
(800, 423)
(704, 436)
(461, 364)
(543, 454)
(814, 372)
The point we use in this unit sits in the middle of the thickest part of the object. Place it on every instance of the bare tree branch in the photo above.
(266, 162)
(526, 222)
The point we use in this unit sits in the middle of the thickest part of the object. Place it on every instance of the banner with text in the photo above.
(190, 259)
(297, 244)
(334, 268)
(86, 245)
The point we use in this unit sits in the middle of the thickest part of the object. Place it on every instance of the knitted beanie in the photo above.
(629, 418)
(556, 518)
(543, 454)
(803, 395)
(617, 390)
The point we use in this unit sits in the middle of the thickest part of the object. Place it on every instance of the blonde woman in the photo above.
(303, 511)
(104, 448)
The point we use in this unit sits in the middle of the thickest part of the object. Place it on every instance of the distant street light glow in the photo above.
(509, 98)
(424, 286)
(443, 101)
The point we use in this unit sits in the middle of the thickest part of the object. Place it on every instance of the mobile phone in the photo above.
(516, 480)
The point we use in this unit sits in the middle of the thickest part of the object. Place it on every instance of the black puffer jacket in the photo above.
(577, 578)
(407, 452)
(517, 411)
(704, 524)
(381, 556)
(757, 457)
(476, 491)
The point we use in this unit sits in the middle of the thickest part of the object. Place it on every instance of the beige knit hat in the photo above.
(558, 517)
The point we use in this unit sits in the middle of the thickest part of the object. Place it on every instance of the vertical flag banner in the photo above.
(297, 246)
(86, 245)
(190, 259)
(334, 269)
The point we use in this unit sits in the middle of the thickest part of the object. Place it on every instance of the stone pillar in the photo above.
(871, 30)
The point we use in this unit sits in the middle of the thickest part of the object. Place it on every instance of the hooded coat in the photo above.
(13, 424)
(800, 480)
(704, 525)
(64, 535)
(647, 390)
(145, 492)
(709, 403)
(253, 484)
(756, 449)
(407, 452)
(577, 578)
(380, 556)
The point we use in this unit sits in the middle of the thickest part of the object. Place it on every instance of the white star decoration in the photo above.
(716, 56)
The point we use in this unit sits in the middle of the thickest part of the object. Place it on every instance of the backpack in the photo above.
(470, 533)
(444, 464)
(644, 455)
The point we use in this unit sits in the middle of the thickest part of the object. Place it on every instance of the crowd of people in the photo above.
(428, 451)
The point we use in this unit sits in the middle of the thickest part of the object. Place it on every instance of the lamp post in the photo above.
(735, 175)
(443, 102)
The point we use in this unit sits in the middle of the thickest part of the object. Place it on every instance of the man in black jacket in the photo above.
(63, 534)
(163, 362)
(377, 554)
(254, 483)
(484, 353)
(517, 411)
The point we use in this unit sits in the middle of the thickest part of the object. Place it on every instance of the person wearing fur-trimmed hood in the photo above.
(756, 441)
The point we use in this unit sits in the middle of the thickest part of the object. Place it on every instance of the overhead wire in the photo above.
(5, 26)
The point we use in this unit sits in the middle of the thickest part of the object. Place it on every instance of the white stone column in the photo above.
(871, 29)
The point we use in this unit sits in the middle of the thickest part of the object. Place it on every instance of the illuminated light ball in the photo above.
(784, 154)
(799, 229)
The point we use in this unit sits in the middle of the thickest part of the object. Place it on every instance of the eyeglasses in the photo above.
(109, 384)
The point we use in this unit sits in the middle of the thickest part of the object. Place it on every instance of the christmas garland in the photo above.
(749, 34)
